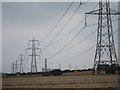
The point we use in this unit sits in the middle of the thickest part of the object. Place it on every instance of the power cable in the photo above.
(82, 39)
(61, 30)
(58, 22)
(80, 53)
(67, 43)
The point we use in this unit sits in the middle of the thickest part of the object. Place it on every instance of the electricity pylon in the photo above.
(60, 66)
(35, 52)
(21, 60)
(13, 68)
(45, 64)
(16, 66)
(105, 49)
(69, 66)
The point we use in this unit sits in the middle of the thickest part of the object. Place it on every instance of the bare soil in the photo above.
(81, 81)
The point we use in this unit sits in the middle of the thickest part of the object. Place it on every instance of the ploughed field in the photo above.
(81, 81)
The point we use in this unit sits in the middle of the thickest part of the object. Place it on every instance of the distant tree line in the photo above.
(56, 72)
(109, 69)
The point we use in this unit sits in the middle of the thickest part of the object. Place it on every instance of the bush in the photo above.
(56, 72)
(45, 73)
(109, 69)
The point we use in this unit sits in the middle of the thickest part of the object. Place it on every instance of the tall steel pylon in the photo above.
(69, 66)
(21, 60)
(105, 49)
(45, 64)
(60, 66)
(13, 68)
(35, 52)
(16, 66)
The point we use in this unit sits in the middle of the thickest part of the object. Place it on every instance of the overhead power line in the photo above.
(82, 39)
(57, 22)
(61, 30)
(67, 43)
(79, 54)
(70, 31)
(84, 52)
(51, 43)
(78, 42)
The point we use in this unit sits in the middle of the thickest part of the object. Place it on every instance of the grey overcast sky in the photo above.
(1, 37)
(21, 21)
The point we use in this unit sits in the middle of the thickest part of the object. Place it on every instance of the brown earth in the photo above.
(81, 81)
(78, 73)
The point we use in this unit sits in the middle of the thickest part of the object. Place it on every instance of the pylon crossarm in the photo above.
(29, 49)
(105, 61)
(114, 12)
(39, 49)
(96, 12)
(93, 12)
(34, 54)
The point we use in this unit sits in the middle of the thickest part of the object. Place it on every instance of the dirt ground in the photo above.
(82, 81)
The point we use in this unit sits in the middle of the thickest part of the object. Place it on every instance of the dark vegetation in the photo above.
(109, 69)
(56, 72)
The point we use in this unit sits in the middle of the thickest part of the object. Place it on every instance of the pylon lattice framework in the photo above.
(34, 49)
(13, 68)
(105, 49)
(21, 59)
